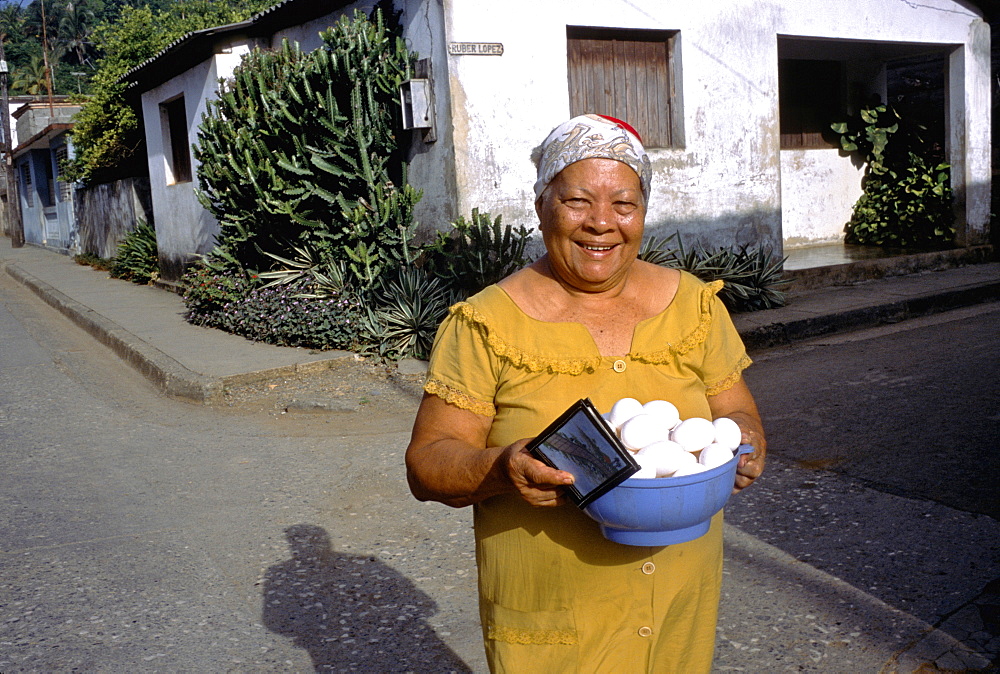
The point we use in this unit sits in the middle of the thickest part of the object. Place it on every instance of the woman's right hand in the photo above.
(535, 482)
(448, 461)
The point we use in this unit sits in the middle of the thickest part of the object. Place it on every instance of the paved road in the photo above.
(139, 533)
(884, 467)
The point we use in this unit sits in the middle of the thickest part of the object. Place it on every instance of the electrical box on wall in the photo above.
(418, 108)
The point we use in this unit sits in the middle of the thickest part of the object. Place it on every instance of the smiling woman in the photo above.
(586, 319)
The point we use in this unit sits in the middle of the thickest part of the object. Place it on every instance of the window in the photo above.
(810, 98)
(173, 121)
(65, 188)
(50, 183)
(628, 74)
(29, 197)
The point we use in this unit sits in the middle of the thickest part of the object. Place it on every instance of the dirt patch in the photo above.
(348, 386)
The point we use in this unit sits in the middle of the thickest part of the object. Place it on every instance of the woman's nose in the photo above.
(602, 217)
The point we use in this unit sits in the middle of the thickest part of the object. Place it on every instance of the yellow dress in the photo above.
(554, 594)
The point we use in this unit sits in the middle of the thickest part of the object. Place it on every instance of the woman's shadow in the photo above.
(351, 612)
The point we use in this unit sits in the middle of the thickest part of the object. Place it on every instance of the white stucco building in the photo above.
(731, 98)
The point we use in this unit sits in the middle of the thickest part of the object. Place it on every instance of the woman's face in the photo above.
(591, 217)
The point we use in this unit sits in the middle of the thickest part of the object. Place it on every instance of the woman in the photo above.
(588, 319)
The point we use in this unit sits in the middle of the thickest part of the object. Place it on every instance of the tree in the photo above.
(106, 134)
(30, 79)
(75, 30)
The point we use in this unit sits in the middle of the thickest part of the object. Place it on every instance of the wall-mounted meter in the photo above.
(418, 108)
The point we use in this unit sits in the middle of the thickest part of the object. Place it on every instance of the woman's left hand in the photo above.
(738, 404)
(751, 465)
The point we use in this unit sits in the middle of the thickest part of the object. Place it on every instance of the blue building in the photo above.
(46, 202)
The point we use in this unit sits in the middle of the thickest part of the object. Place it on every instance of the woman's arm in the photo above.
(738, 404)
(448, 461)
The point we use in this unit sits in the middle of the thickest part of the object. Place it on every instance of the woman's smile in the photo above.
(596, 247)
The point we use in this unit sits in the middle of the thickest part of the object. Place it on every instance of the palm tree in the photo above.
(75, 28)
(30, 79)
(11, 20)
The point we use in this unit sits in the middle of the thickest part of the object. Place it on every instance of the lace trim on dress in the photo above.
(511, 635)
(731, 379)
(694, 338)
(517, 357)
(459, 399)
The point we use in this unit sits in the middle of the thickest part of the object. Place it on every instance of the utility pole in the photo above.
(45, 60)
(14, 225)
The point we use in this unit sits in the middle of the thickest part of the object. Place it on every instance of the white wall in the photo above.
(725, 185)
(183, 227)
(11, 107)
(818, 192)
(432, 165)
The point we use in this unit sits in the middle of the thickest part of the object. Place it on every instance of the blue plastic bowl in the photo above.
(665, 510)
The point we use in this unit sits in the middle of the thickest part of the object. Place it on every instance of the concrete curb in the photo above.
(880, 268)
(891, 311)
(801, 323)
(166, 373)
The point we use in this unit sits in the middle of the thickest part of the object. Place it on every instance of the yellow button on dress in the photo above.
(555, 595)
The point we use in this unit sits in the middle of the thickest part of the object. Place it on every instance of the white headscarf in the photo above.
(588, 136)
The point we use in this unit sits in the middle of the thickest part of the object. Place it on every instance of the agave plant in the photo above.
(477, 252)
(325, 279)
(137, 259)
(752, 278)
(295, 269)
(655, 250)
(403, 313)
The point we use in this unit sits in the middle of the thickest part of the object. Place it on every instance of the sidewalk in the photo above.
(145, 326)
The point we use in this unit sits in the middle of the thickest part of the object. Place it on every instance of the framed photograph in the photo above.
(581, 443)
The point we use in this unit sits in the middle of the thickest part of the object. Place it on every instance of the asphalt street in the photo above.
(883, 465)
(140, 533)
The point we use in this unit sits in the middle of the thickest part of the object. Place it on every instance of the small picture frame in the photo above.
(582, 443)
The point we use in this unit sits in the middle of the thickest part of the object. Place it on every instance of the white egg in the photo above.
(623, 410)
(640, 431)
(669, 456)
(694, 434)
(664, 410)
(727, 432)
(647, 467)
(689, 469)
(715, 455)
(607, 420)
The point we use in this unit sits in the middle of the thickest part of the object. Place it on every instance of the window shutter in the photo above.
(624, 74)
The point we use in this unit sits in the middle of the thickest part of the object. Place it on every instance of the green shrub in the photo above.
(211, 285)
(277, 314)
(476, 253)
(95, 261)
(907, 199)
(136, 259)
(752, 277)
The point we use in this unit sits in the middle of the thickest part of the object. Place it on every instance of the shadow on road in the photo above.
(350, 611)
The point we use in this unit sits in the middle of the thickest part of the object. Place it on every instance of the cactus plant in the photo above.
(300, 149)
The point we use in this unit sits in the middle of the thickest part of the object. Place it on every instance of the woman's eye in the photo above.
(625, 206)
